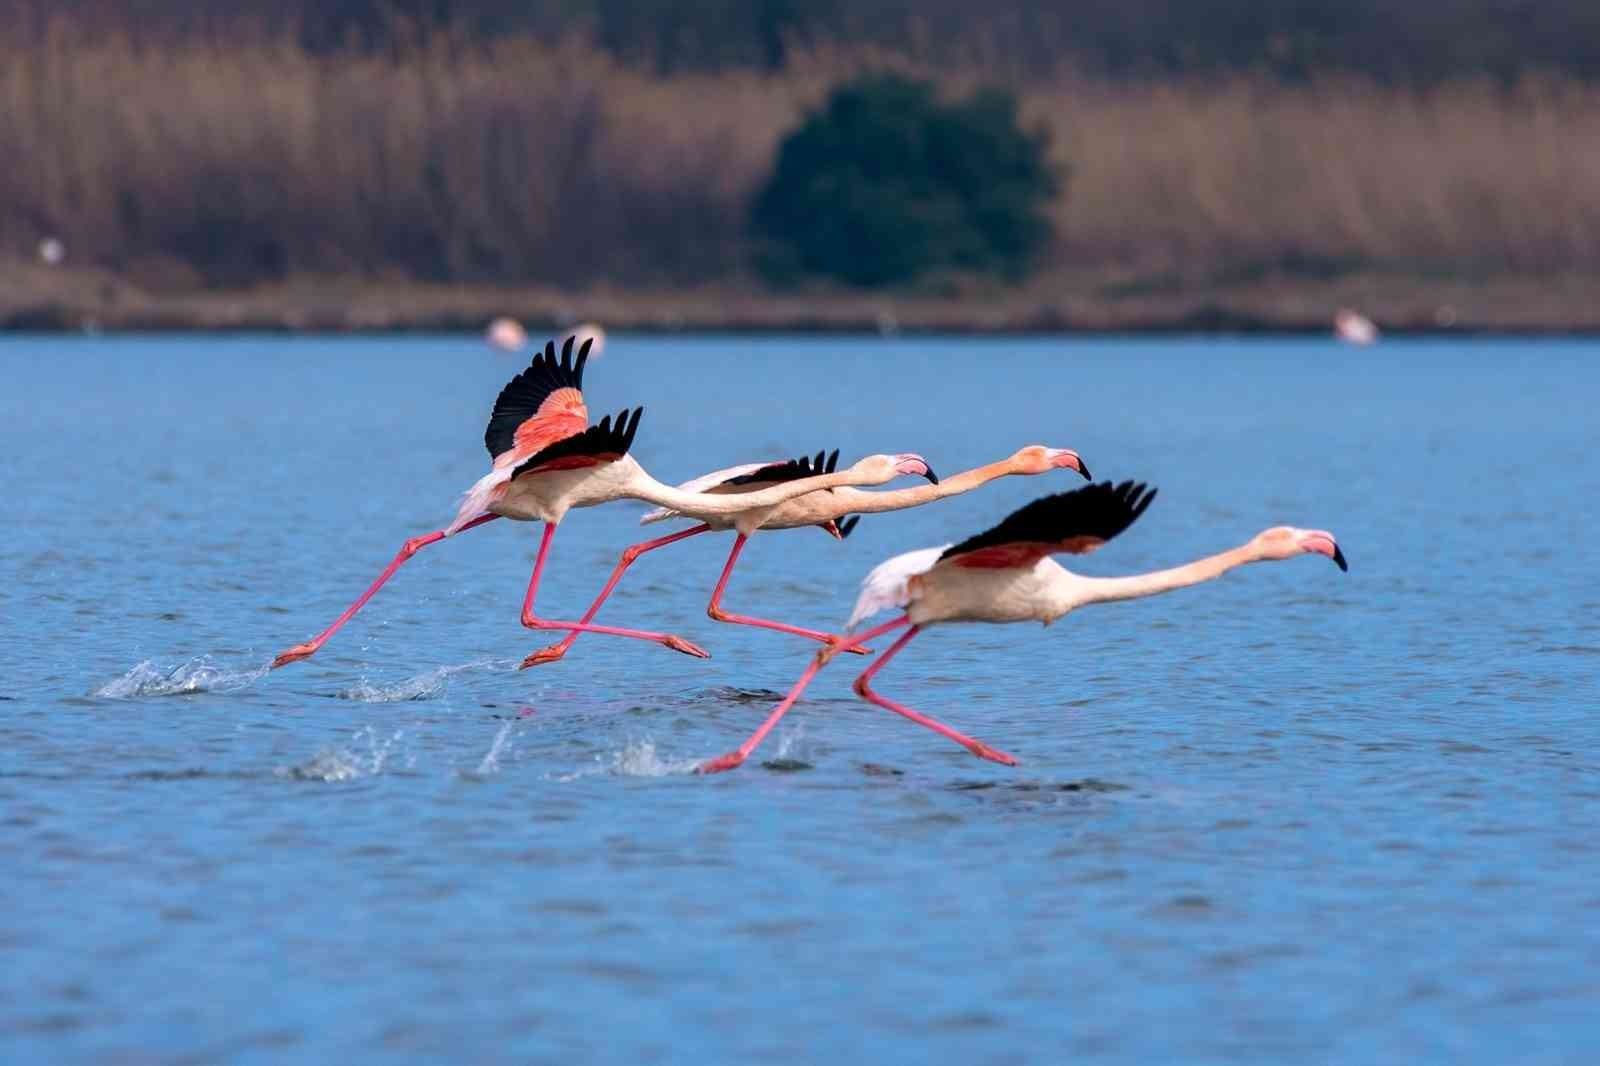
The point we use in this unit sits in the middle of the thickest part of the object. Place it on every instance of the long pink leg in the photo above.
(737, 757)
(977, 747)
(533, 621)
(714, 609)
(407, 550)
(556, 651)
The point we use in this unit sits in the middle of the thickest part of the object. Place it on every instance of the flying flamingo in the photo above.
(547, 460)
(826, 510)
(1007, 575)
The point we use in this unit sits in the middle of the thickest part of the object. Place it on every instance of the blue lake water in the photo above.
(1294, 814)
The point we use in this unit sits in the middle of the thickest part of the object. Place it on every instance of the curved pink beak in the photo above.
(1067, 459)
(1322, 543)
(915, 465)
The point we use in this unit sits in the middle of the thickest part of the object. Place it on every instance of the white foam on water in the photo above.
(422, 686)
(196, 675)
(638, 758)
(366, 756)
(788, 741)
(491, 758)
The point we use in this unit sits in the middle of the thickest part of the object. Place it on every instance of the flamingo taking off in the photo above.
(826, 510)
(547, 460)
(1006, 575)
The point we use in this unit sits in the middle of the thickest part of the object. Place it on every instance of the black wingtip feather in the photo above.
(524, 394)
(608, 440)
(788, 470)
(1100, 511)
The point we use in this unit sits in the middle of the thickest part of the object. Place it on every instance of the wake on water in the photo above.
(368, 754)
(419, 687)
(202, 674)
(639, 758)
(196, 675)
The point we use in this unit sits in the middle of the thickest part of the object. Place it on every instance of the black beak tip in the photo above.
(931, 476)
(1338, 559)
(1083, 468)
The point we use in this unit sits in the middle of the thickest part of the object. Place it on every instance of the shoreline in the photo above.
(65, 300)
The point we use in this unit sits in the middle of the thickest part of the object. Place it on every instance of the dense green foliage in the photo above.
(886, 183)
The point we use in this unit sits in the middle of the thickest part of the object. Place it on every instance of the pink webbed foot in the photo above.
(543, 655)
(294, 654)
(679, 644)
(984, 751)
(556, 651)
(731, 761)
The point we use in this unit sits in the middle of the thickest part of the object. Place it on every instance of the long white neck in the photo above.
(898, 500)
(641, 486)
(1083, 590)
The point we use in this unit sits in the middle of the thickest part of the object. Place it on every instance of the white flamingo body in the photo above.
(823, 508)
(1005, 574)
(548, 495)
(932, 594)
(545, 459)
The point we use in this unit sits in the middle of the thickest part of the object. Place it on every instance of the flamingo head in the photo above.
(1037, 459)
(877, 469)
(1285, 542)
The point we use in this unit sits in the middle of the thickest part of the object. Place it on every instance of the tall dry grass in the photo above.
(515, 161)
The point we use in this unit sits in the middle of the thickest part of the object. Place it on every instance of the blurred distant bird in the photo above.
(506, 334)
(591, 333)
(1007, 575)
(547, 460)
(1353, 327)
(826, 510)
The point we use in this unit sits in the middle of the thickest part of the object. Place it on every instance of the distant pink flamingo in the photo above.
(1007, 575)
(548, 460)
(824, 509)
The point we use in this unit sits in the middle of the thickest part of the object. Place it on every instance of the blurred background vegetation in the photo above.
(1147, 145)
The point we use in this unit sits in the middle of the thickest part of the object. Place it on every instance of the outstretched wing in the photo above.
(888, 585)
(605, 442)
(750, 477)
(539, 423)
(788, 470)
(539, 407)
(1075, 522)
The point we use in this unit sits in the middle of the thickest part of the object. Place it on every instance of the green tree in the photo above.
(886, 183)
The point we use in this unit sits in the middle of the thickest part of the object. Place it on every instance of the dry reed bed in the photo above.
(527, 163)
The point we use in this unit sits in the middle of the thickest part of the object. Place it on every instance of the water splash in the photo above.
(350, 763)
(638, 758)
(422, 686)
(788, 741)
(491, 758)
(195, 675)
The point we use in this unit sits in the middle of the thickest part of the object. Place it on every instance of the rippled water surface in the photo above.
(1295, 814)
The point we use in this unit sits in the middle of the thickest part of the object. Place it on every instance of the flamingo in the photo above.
(506, 334)
(1006, 575)
(547, 460)
(1353, 327)
(826, 510)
